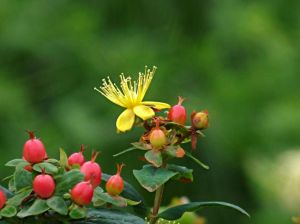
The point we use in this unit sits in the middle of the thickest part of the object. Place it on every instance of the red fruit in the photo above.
(157, 137)
(77, 158)
(92, 171)
(43, 185)
(46, 156)
(2, 199)
(34, 150)
(82, 193)
(177, 113)
(115, 184)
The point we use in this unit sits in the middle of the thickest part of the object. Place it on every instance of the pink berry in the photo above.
(43, 185)
(92, 171)
(34, 150)
(2, 199)
(115, 184)
(177, 113)
(77, 158)
(82, 193)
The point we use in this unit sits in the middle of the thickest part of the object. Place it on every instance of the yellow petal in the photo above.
(143, 112)
(156, 105)
(125, 120)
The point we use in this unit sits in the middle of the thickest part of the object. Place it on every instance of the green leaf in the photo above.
(152, 178)
(128, 192)
(176, 212)
(67, 181)
(48, 167)
(125, 151)
(171, 150)
(140, 145)
(22, 178)
(178, 127)
(8, 178)
(105, 197)
(78, 212)
(58, 204)
(132, 203)
(17, 199)
(8, 211)
(63, 158)
(100, 198)
(11, 184)
(97, 200)
(196, 160)
(39, 206)
(53, 161)
(184, 174)
(201, 134)
(110, 216)
(154, 157)
(16, 162)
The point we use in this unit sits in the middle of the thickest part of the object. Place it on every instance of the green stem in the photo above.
(156, 206)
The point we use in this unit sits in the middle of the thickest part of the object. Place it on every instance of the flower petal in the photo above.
(125, 120)
(156, 105)
(143, 112)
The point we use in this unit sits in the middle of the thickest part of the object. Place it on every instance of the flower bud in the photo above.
(200, 119)
(177, 113)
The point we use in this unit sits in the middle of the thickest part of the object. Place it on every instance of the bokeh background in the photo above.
(238, 59)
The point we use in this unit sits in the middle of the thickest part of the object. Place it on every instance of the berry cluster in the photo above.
(164, 135)
(63, 186)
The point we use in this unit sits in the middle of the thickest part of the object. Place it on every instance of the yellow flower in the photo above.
(130, 95)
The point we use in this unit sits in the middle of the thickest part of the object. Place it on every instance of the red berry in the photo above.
(46, 156)
(43, 185)
(34, 150)
(157, 137)
(2, 199)
(92, 171)
(77, 158)
(115, 183)
(82, 193)
(177, 113)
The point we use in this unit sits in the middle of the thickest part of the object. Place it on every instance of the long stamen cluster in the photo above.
(130, 93)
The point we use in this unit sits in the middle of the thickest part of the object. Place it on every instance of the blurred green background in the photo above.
(238, 59)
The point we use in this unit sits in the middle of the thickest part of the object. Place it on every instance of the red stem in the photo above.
(119, 168)
(31, 134)
(94, 156)
(82, 148)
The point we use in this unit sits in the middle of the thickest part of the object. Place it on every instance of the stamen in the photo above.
(129, 94)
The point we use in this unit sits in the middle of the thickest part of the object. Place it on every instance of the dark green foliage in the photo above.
(239, 59)
(176, 212)
(152, 178)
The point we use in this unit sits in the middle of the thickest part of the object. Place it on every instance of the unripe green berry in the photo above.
(157, 138)
(200, 120)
